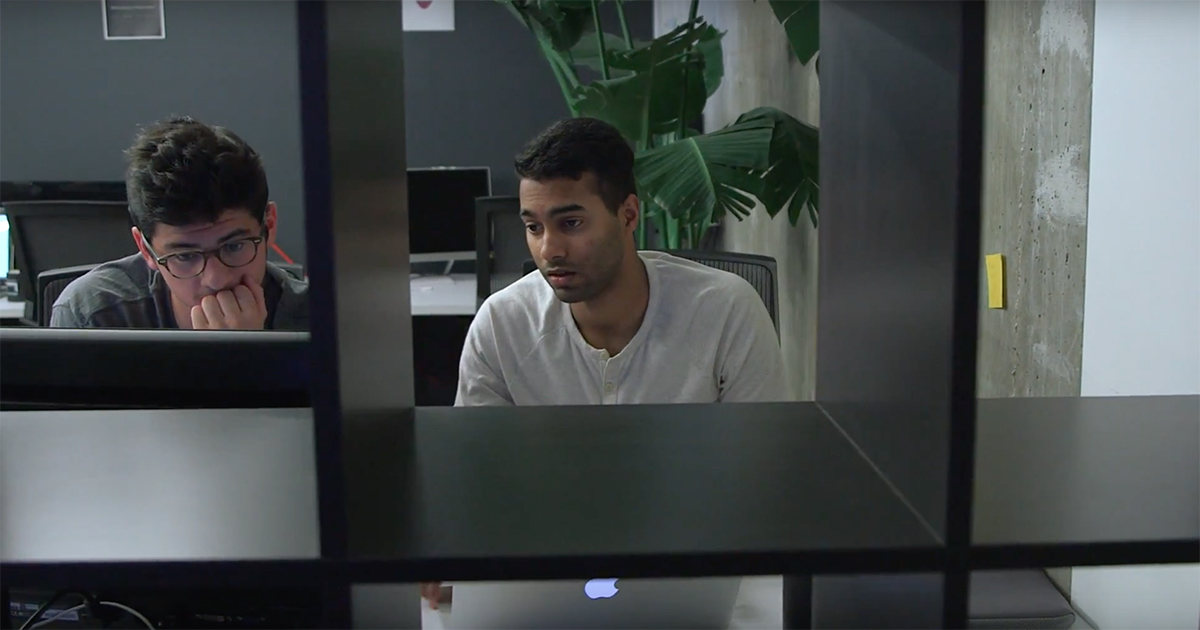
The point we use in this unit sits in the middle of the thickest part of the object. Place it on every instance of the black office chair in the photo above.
(760, 271)
(501, 254)
(50, 285)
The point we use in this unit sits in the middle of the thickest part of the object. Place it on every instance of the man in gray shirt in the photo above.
(203, 222)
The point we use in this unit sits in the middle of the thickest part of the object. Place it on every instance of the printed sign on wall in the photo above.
(134, 19)
(428, 15)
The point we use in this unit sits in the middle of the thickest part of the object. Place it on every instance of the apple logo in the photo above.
(600, 589)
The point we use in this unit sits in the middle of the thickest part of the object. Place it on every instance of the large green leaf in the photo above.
(801, 21)
(587, 51)
(699, 180)
(559, 23)
(696, 35)
(792, 177)
(647, 103)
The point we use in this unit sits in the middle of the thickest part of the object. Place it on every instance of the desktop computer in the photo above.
(441, 217)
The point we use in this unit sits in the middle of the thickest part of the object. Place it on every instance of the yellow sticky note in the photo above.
(995, 280)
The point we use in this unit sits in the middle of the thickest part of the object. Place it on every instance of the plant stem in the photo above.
(600, 40)
(624, 24)
(681, 123)
(564, 82)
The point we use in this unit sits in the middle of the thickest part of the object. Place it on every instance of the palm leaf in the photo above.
(696, 35)
(587, 51)
(801, 21)
(559, 23)
(699, 180)
(647, 103)
(791, 179)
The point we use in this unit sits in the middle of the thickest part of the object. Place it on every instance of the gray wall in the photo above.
(474, 96)
(71, 102)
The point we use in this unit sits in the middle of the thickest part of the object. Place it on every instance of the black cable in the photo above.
(37, 615)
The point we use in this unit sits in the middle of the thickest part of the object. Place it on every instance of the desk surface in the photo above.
(557, 492)
(666, 490)
(11, 310)
(1077, 481)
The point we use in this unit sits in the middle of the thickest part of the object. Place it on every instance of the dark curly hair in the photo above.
(570, 148)
(182, 171)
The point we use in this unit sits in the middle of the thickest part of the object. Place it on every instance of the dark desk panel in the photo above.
(1079, 481)
(193, 497)
(649, 490)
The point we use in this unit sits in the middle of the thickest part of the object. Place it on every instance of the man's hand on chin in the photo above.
(242, 308)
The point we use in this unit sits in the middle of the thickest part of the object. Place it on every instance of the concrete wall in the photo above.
(1038, 113)
(1142, 333)
(760, 69)
(1035, 204)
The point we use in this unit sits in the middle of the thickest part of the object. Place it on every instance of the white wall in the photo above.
(1141, 333)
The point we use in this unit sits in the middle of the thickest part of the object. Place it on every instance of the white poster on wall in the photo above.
(134, 19)
(428, 15)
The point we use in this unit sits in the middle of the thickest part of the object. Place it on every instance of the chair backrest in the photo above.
(295, 270)
(759, 271)
(500, 249)
(50, 285)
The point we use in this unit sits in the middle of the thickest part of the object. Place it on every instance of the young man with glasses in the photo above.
(203, 223)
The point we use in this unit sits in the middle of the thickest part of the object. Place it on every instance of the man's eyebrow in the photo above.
(553, 212)
(177, 245)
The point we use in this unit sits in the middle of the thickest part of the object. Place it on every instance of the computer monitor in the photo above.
(441, 211)
(55, 234)
(5, 246)
(59, 368)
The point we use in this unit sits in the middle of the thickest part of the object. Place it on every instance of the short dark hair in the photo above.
(182, 171)
(571, 148)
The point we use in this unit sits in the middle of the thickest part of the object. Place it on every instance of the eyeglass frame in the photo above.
(207, 253)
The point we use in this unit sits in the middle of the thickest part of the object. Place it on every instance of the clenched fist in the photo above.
(242, 308)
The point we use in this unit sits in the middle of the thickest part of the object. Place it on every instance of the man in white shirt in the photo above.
(601, 322)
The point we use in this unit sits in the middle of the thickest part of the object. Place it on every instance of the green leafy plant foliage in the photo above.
(654, 91)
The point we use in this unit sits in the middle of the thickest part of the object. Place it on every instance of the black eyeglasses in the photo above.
(189, 264)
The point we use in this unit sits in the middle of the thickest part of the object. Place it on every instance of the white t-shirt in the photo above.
(706, 338)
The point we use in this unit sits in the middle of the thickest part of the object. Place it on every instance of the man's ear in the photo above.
(140, 241)
(629, 211)
(270, 220)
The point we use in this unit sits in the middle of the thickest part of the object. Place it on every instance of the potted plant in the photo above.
(653, 92)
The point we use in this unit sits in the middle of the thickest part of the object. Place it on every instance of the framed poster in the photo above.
(134, 19)
(427, 15)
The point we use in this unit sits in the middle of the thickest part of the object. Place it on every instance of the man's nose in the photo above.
(553, 246)
(216, 274)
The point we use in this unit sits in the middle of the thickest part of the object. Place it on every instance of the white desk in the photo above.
(759, 607)
(443, 295)
(11, 310)
(450, 295)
